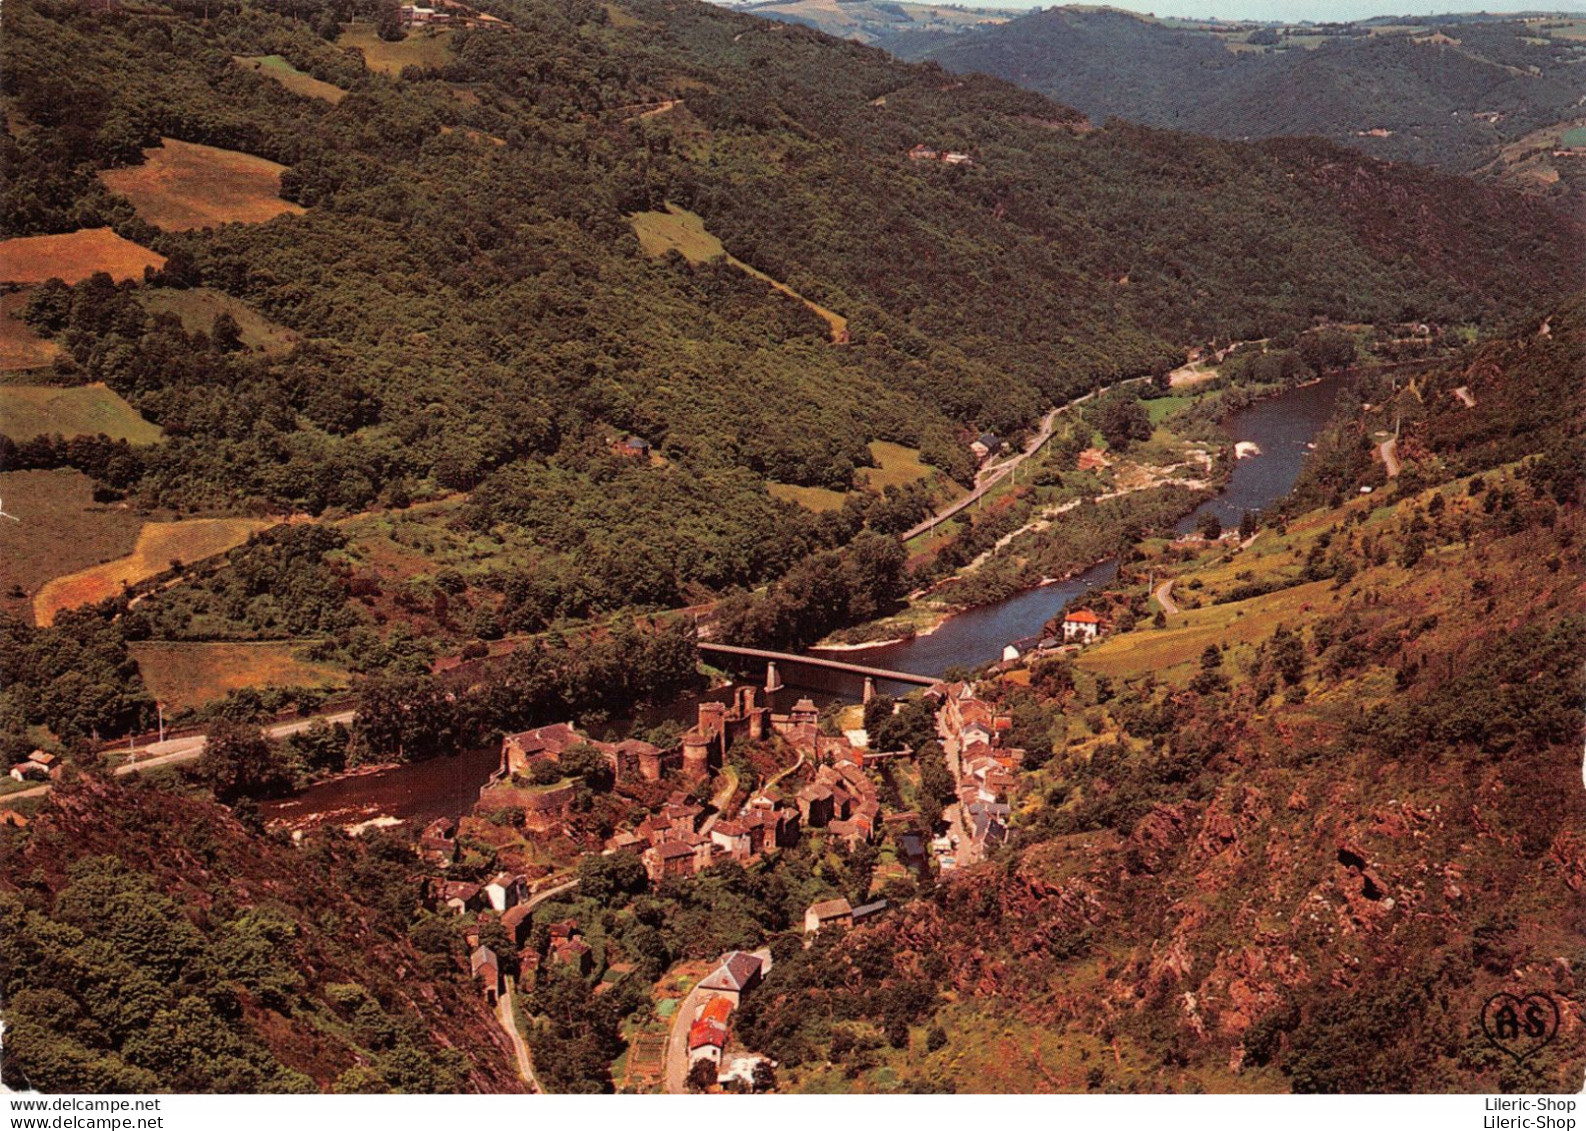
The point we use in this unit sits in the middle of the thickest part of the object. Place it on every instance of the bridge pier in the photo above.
(773, 678)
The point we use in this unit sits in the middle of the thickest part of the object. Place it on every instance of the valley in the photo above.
(435, 444)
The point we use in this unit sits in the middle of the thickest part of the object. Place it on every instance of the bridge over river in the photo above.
(793, 658)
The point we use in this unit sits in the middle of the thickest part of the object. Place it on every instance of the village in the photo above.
(687, 810)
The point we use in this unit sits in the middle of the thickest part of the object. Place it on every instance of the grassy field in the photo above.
(87, 410)
(290, 77)
(190, 675)
(420, 48)
(1163, 407)
(679, 230)
(810, 498)
(1180, 645)
(682, 231)
(1574, 138)
(158, 545)
(900, 466)
(20, 347)
(73, 257)
(182, 187)
(198, 308)
(59, 530)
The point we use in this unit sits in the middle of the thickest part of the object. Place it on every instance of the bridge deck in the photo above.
(820, 662)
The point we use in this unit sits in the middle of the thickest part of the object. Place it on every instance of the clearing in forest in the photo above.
(20, 347)
(59, 529)
(277, 68)
(425, 49)
(84, 410)
(198, 308)
(682, 231)
(899, 466)
(159, 545)
(182, 187)
(73, 257)
(192, 674)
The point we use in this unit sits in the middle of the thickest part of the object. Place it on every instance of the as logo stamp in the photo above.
(1520, 1026)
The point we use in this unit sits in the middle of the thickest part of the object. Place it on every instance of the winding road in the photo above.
(174, 751)
(1163, 594)
(677, 1062)
(989, 477)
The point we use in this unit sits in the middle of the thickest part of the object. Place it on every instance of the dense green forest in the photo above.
(479, 318)
(1438, 92)
(151, 942)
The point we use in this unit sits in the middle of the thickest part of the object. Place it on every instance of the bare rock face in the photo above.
(1161, 832)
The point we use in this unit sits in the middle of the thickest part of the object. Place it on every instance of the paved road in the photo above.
(520, 1047)
(677, 1062)
(1390, 456)
(991, 476)
(1163, 595)
(174, 751)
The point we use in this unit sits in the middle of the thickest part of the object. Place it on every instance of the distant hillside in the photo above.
(876, 22)
(1443, 96)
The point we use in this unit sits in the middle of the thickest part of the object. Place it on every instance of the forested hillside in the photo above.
(462, 308)
(1449, 95)
(151, 942)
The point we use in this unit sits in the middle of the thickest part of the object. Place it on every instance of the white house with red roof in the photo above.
(1083, 626)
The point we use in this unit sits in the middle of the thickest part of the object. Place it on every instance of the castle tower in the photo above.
(696, 755)
(870, 689)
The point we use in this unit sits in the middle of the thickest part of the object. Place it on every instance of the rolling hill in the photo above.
(1447, 96)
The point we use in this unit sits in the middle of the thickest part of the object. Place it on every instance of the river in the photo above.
(1280, 426)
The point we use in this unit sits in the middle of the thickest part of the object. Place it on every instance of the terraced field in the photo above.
(20, 348)
(680, 230)
(420, 49)
(199, 307)
(59, 529)
(277, 68)
(159, 544)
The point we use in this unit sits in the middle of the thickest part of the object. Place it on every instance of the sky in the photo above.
(1295, 10)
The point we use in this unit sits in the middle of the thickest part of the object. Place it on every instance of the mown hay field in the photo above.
(20, 348)
(74, 256)
(159, 544)
(85, 410)
(59, 530)
(277, 68)
(199, 307)
(182, 187)
(190, 675)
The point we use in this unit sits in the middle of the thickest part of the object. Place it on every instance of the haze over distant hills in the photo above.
(1470, 94)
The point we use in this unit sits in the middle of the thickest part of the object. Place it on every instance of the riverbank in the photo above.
(968, 633)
